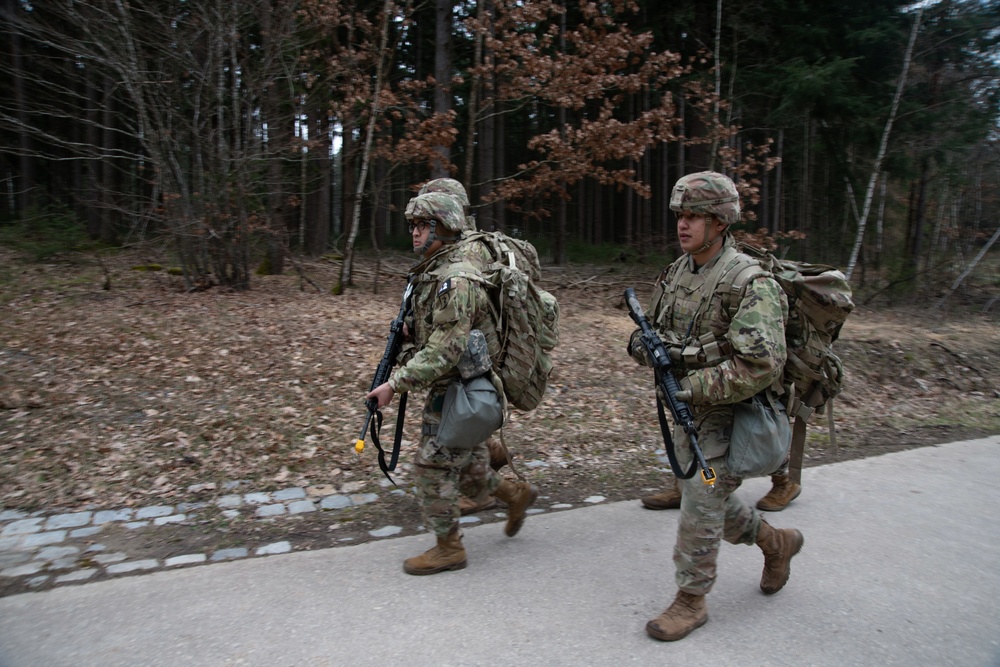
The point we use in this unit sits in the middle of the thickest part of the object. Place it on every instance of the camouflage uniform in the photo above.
(474, 255)
(449, 301)
(682, 312)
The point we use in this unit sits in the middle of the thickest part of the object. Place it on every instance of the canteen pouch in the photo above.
(760, 440)
(471, 413)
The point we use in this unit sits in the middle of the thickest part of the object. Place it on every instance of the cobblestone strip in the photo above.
(39, 548)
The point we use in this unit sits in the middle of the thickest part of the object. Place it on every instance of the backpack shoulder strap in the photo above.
(743, 269)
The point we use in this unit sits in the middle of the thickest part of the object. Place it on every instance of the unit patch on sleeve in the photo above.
(445, 286)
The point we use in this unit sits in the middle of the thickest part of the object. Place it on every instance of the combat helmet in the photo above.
(450, 186)
(708, 193)
(440, 209)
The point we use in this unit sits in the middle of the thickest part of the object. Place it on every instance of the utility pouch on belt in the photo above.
(472, 412)
(761, 437)
(476, 359)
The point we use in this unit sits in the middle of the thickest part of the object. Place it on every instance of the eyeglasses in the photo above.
(420, 225)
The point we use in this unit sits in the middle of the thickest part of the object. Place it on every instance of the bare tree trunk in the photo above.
(442, 77)
(109, 174)
(473, 102)
(664, 192)
(884, 144)
(277, 230)
(93, 164)
(717, 67)
(500, 209)
(559, 242)
(487, 215)
(776, 225)
(25, 189)
(681, 133)
(318, 226)
(880, 223)
(598, 213)
(939, 224)
(803, 223)
(913, 260)
(346, 268)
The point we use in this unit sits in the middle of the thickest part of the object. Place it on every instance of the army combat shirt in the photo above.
(449, 300)
(691, 307)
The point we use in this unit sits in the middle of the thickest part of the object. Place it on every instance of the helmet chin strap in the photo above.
(432, 237)
(708, 244)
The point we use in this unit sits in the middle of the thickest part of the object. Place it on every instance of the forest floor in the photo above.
(118, 389)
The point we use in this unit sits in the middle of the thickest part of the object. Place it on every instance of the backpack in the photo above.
(819, 302)
(527, 317)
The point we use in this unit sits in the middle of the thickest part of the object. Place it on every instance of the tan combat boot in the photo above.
(783, 491)
(449, 554)
(470, 506)
(668, 499)
(687, 613)
(519, 496)
(778, 545)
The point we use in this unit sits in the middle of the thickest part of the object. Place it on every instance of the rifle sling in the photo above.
(397, 438)
(668, 444)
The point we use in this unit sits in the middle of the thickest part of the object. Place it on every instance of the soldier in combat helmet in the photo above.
(686, 307)
(448, 303)
(783, 491)
(498, 452)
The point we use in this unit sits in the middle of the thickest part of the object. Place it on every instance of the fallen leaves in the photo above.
(157, 393)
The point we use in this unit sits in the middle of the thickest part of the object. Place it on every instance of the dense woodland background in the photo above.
(240, 135)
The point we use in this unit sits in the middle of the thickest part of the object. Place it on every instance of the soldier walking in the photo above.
(687, 309)
(448, 303)
(498, 451)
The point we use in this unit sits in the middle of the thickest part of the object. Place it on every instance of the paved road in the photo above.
(901, 566)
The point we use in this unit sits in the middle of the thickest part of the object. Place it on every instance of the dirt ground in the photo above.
(117, 389)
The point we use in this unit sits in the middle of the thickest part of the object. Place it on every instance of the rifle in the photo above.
(382, 373)
(668, 385)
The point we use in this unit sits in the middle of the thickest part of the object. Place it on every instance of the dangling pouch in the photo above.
(761, 437)
(472, 412)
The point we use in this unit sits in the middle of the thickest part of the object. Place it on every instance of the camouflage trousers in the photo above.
(706, 519)
(443, 475)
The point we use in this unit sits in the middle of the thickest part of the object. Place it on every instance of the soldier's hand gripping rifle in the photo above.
(382, 373)
(668, 386)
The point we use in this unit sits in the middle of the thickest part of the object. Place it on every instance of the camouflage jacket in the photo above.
(449, 300)
(690, 311)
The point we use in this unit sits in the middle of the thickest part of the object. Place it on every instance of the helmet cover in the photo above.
(448, 186)
(707, 193)
(438, 207)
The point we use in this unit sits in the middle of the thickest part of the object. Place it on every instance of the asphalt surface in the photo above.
(901, 566)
